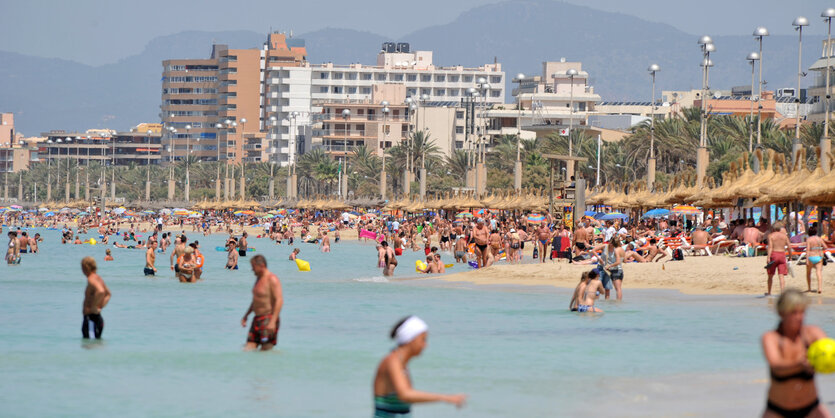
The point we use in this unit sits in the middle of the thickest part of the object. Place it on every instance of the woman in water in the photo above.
(589, 291)
(792, 392)
(814, 258)
(393, 392)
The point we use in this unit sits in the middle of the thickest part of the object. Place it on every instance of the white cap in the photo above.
(410, 329)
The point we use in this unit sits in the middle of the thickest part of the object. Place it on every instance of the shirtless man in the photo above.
(439, 264)
(581, 237)
(398, 243)
(778, 247)
(96, 296)
(700, 239)
(267, 301)
(387, 259)
(481, 236)
(24, 242)
(179, 250)
(33, 243)
(326, 243)
(543, 237)
(461, 249)
(242, 245)
(150, 258)
(294, 254)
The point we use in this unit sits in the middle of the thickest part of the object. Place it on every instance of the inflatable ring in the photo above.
(420, 266)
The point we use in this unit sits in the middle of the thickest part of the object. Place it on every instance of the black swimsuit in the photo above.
(796, 412)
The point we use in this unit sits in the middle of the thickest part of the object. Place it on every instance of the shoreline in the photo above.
(714, 275)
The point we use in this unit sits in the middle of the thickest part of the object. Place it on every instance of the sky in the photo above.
(103, 31)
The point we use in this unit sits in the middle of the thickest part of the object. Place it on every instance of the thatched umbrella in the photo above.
(823, 192)
(783, 191)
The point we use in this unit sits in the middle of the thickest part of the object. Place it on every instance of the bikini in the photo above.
(796, 412)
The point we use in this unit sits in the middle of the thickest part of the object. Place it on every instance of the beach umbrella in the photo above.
(589, 213)
(118, 211)
(686, 210)
(165, 211)
(656, 213)
(43, 210)
(48, 214)
(536, 218)
(464, 215)
(148, 211)
(614, 215)
(82, 213)
(18, 207)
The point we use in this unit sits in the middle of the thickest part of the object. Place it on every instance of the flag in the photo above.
(564, 132)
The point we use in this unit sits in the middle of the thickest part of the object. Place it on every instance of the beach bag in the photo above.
(678, 254)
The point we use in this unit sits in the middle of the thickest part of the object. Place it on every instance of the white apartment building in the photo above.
(302, 89)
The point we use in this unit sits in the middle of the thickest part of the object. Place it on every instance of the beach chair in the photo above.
(729, 245)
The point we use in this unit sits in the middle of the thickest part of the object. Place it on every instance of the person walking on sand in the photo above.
(392, 389)
(814, 258)
(777, 250)
(267, 300)
(792, 392)
(96, 296)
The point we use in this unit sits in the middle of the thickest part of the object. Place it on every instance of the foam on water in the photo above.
(174, 349)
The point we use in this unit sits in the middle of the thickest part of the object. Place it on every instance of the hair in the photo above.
(107, 251)
(777, 226)
(584, 276)
(259, 260)
(296, 250)
(813, 231)
(384, 243)
(189, 250)
(397, 325)
(790, 300)
(593, 274)
(615, 241)
(88, 265)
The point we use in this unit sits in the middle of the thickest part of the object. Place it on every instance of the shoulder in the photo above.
(814, 331)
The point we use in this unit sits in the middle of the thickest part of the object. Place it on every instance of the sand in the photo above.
(693, 275)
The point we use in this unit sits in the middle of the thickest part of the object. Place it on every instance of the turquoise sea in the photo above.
(173, 349)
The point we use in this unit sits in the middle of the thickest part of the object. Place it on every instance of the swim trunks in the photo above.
(778, 264)
(92, 324)
(242, 253)
(149, 272)
(398, 251)
(583, 308)
(258, 333)
(460, 254)
(815, 259)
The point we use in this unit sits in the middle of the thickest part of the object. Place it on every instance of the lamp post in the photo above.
(472, 94)
(77, 168)
(407, 176)
(272, 180)
(571, 73)
(517, 168)
(48, 171)
(424, 98)
(272, 151)
(702, 156)
(227, 193)
(759, 33)
(87, 171)
(342, 189)
(382, 146)
(188, 153)
(653, 69)
(480, 171)
(172, 148)
(218, 127)
(243, 158)
(752, 58)
(798, 24)
(293, 148)
(825, 144)
(67, 188)
(148, 166)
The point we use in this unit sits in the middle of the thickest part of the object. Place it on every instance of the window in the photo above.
(459, 129)
(350, 76)
(397, 77)
(468, 79)
(452, 92)
(337, 89)
(323, 76)
(366, 90)
(582, 107)
(459, 114)
(411, 77)
(440, 78)
(495, 93)
(337, 76)
(440, 92)
(352, 90)
(366, 76)
(453, 78)
(425, 91)
(323, 89)
(496, 79)
(426, 78)
(411, 92)
(380, 77)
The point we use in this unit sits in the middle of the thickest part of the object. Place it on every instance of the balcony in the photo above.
(342, 133)
(252, 147)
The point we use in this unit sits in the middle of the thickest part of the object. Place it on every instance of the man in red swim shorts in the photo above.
(778, 249)
(267, 301)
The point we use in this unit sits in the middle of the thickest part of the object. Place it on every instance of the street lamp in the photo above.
(243, 158)
(188, 152)
(411, 107)
(67, 189)
(343, 175)
(49, 171)
(148, 168)
(759, 33)
(272, 151)
(798, 23)
(752, 58)
(702, 157)
(517, 168)
(825, 145)
(218, 127)
(653, 69)
(382, 147)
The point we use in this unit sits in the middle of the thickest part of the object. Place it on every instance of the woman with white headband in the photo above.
(393, 392)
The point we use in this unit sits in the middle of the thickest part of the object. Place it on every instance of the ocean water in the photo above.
(173, 349)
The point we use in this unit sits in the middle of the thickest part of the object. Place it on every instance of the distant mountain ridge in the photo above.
(616, 49)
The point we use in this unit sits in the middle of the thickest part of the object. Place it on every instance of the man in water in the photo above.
(150, 258)
(778, 245)
(242, 245)
(33, 243)
(231, 254)
(387, 259)
(481, 236)
(267, 301)
(179, 250)
(326, 243)
(96, 296)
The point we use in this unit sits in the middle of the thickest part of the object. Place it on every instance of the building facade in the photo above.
(212, 108)
(7, 132)
(103, 146)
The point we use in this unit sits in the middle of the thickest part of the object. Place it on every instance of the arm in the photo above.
(278, 301)
(618, 257)
(771, 350)
(407, 394)
(246, 315)
(768, 249)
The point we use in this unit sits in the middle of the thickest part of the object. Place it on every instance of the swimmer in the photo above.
(33, 243)
(96, 296)
(439, 265)
(198, 260)
(575, 298)
(107, 255)
(267, 300)
(326, 243)
(792, 392)
(186, 264)
(150, 258)
(389, 259)
(589, 291)
(13, 250)
(393, 391)
(294, 254)
(231, 255)
(242, 245)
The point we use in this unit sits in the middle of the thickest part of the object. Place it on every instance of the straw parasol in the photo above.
(783, 191)
(822, 193)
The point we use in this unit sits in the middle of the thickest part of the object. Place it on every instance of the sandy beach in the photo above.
(694, 275)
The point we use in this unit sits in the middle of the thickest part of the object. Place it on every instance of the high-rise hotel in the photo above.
(214, 108)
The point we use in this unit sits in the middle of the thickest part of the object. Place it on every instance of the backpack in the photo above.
(678, 255)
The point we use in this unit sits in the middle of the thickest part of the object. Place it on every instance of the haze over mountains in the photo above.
(615, 49)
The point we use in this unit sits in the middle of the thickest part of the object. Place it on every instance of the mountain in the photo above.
(615, 49)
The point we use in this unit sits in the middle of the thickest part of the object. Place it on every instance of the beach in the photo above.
(701, 275)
